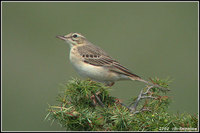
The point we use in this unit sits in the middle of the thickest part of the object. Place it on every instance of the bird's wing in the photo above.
(96, 56)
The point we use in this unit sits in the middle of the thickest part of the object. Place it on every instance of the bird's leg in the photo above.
(99, 100)
(95, 97)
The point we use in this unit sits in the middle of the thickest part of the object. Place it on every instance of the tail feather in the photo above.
(149, 83)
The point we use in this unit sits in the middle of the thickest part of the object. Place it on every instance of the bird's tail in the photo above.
(149, 83)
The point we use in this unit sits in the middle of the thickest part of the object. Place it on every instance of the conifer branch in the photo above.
(76, 110)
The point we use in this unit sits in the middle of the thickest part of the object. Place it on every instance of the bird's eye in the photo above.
(75, 36)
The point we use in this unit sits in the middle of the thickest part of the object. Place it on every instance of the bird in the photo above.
(92, 62)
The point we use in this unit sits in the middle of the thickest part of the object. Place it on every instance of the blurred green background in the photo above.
(151, 39)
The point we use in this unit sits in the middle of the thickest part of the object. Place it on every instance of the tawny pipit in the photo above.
(92, 62)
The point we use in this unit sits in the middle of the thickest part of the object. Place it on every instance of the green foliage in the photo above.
(79, 111)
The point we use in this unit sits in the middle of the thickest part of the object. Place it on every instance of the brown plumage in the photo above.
(96, 56)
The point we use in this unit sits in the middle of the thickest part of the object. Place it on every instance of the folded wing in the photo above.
(96, 56)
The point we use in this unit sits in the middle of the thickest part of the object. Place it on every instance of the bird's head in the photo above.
(73, 38)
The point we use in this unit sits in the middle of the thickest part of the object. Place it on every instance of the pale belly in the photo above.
(94, 72)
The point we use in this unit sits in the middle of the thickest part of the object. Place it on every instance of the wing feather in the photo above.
(96, 56)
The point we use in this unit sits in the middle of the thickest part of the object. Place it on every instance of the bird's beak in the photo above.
(62, 38)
